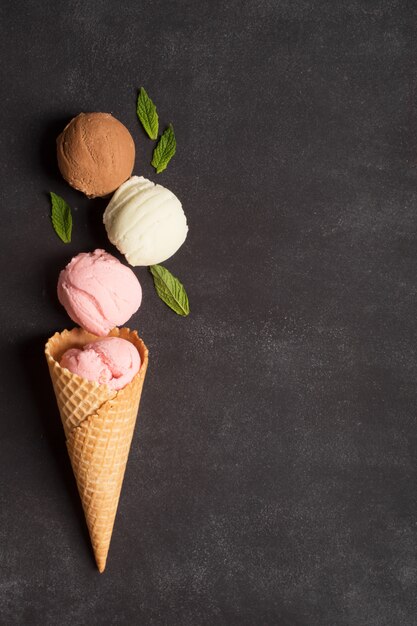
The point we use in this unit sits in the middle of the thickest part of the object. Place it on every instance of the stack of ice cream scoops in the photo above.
(98, 368)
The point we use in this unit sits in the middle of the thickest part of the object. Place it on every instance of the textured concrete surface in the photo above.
(272, 477)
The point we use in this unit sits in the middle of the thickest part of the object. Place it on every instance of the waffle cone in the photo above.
(98, 424)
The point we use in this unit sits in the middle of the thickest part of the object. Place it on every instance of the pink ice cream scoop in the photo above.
(111, 361)
(98, 292)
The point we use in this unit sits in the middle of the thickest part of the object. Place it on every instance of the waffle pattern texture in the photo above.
(98, 424)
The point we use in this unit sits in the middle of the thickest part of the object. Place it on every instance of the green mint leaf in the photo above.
(61, 217)
(147, 114)
(165, 150)
(170, 290)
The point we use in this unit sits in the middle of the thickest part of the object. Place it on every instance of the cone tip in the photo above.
(101, 564)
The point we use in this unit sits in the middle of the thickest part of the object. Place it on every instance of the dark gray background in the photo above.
(272, 475)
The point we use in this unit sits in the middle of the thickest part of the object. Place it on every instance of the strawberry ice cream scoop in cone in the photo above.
(98, 411)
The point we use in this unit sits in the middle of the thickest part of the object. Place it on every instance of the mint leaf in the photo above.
(164, 150)
(170, 290)
(146, 111)
(61, 217)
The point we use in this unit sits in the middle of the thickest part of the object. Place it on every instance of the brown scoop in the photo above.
(96, 153)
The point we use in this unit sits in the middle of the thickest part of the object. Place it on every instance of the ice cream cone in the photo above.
(98, 424)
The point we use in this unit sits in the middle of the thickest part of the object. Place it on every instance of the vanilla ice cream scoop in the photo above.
(145, 222)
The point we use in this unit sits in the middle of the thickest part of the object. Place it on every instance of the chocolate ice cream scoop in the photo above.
(96, 153)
